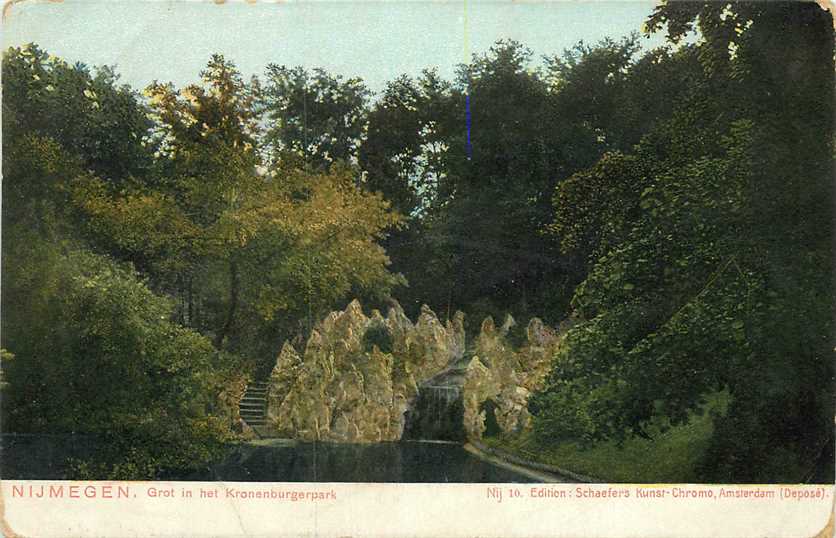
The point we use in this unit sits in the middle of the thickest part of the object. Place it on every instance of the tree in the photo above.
(248, 247)
(530, 128)
(314, 115)
(311, 242)
(501, 263)
(86, 112)
(403, 155)
(94, 349)
(702, 245)
(171, 223)
(95, 353)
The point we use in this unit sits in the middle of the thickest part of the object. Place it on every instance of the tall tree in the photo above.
(86, 111)
(313, 115)
(249, 247)
(94, 349)
(403, 155)
(703, 243)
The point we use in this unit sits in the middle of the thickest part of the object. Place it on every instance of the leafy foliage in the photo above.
(702, 248)
(86, 112)
(531, 127)
(95, 353)
(315, 115)
(377, 335)
(253, 248)
(231, 254)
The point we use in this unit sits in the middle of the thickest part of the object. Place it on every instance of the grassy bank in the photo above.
(671, 455)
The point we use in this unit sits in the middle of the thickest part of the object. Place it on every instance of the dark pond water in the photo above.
(41, 457)
(281, 461)
(380, 462)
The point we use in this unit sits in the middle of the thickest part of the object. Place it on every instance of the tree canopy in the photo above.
(708, 262)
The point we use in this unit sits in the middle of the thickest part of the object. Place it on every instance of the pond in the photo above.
(288, 461)
(45, 457)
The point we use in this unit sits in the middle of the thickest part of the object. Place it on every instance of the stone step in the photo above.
(253, 422)
(253, 404)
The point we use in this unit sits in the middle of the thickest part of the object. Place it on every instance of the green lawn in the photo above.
(670, 457)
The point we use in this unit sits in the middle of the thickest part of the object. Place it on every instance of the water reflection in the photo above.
(46, 458)
(331, 462)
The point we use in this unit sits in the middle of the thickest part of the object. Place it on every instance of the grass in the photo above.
(671, 456)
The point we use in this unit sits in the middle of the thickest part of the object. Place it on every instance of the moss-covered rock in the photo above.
(347, 387)
(505, 377)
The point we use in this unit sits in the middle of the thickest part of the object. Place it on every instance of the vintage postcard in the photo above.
(417, 268)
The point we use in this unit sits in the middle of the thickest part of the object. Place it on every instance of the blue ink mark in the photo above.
(467, 112)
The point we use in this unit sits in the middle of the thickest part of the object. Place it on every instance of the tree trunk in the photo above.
(189, 295)
(233, 305)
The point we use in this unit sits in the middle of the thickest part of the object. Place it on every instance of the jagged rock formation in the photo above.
(228, 406)
(358, 375)
(499, 379)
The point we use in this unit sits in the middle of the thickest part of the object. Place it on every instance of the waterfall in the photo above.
(436, 414)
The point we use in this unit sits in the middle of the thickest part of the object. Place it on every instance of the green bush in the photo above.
(377, 335)
(95, 353)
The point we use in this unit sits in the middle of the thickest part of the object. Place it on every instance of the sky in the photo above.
(172, 40)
